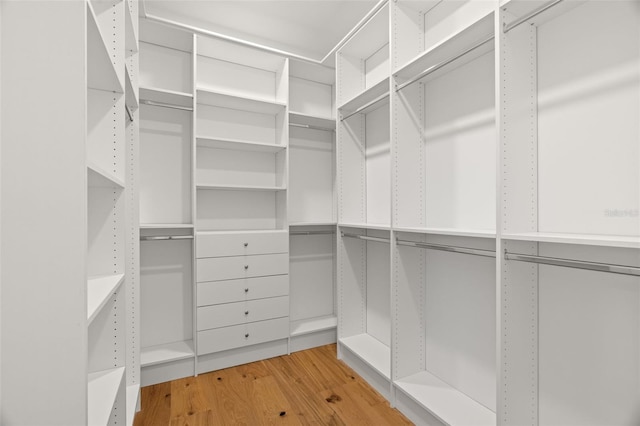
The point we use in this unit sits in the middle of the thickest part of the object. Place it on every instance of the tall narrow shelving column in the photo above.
(241, 178)
(312, 205)
(166, 204)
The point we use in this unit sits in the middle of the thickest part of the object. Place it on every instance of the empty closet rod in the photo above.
(165, 105)
(365, 237)
(443, 247)
(167, 238)
(444, 63)
(365, 106)
(309, 126)
(126, 108)
(576, 264)
(508, 27)
(311, 232)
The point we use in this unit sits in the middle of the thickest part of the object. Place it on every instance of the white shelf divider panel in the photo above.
(166, 96)
(448, 404)
(307, 326)
(373, 352)
(103, 392)
(133, 400)
(169, 352)
(101, 72)
(239, 145)
(99, 177)
(231, 101)
(99, 289)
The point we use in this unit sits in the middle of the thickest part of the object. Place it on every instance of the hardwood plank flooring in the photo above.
(309, 387)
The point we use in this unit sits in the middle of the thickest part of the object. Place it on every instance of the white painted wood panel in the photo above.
(214, 244)
(226, 291)
(228, 314)
(226, 268)
(221, 339)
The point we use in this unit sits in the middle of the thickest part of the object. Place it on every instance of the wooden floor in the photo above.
(307, 387)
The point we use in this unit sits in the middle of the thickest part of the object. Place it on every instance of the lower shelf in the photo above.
(103, 392)
(312, 325)
(169, 352)
(446, 403)
(373, 352)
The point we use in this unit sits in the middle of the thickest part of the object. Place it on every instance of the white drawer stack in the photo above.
(242, 290)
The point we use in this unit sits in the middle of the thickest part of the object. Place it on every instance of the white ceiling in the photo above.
(309, 28)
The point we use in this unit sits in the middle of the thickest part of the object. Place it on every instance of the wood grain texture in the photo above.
(309, 387)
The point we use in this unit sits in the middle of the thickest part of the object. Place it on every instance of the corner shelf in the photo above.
(366, 96)
(371, 351)
(99, 289)
(103, 392)
(169, 352)
(238, 145)
(101, 74)
(313, 325)
(231, 101)
(448, 404)
(240, 187)
(99, 177)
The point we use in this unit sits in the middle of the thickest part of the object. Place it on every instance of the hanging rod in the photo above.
(309, 126)
(444, 63)
(452, 249)
(576, 264)
(311, 232)
(365, 237)
(167, 238)
(367, 105)
(165, 105)
(126, 108)
(532, 14)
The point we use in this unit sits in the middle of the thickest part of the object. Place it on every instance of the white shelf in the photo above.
(295, 224)
(449, 49)
(231, 101)
(101, 73)
(311, 120)
(243, 231)
(365, 97)
(99, 177)
(99, 290)
(237, 145)
(133, 395)
(313, 325)
(373, 352)
(582, 239)
(476, 233)
(170, 97)
(446, 403)
(169, 352)
(166, 226)
(364, 226)
(240, 187)
(103, 391)
(131, 97)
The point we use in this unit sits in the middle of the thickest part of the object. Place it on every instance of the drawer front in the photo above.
(222, 339)
(217, 316)
(229, 268)
(241, 243)
(216, 292)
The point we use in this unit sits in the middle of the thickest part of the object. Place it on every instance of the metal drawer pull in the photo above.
(246, 336)
(246, 267)
(246, 244)
(246, 290)
(246, 312)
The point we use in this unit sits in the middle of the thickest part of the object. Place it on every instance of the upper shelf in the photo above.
(101, 73)
(299, 119)
(151, 95)
(581, 239)
(465, 46)
(238, 145)
(367, 99)
(231, 101)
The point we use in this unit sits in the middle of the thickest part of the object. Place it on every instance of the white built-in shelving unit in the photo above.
(312, 205)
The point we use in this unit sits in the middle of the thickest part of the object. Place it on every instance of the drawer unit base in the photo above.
(239, 356)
